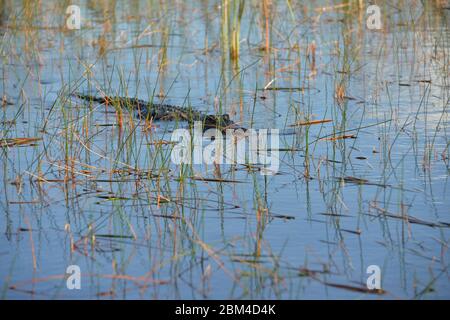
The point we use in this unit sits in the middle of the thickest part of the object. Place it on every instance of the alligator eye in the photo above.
(226, 117)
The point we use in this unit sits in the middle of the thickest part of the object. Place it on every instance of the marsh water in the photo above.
(364, 151)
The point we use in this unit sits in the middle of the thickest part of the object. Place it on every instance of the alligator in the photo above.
(167, 112)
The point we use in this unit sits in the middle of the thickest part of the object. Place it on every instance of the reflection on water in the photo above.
(97, 188)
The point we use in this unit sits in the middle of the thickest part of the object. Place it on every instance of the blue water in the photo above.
(97, 203)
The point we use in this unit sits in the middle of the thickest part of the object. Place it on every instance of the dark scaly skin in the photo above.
(167, 112)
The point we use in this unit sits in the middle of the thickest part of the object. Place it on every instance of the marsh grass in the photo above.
(364, 150)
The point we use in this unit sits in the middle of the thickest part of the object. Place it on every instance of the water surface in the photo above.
(97, 190)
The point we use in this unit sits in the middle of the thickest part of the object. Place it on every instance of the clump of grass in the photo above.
(238, 6)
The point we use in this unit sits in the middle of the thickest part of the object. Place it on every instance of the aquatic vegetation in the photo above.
(362, 152)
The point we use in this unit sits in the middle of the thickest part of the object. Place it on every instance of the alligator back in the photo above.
(167, 112)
